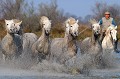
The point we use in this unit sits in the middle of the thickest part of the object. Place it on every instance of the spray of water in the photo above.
(79, 64)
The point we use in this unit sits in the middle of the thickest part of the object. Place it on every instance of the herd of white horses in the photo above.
(57, 50)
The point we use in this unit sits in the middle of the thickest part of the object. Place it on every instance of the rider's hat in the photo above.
(107, 13)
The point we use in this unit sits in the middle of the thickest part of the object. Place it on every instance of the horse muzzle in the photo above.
(114, 40)
(74, 35)
(97, 32)
(47, 32)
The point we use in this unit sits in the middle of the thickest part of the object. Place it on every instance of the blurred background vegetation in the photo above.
(20, 9)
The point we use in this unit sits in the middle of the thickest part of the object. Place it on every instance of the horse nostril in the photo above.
(75, 33)
(97, 32)
(10, 29)
(114, 40)
(47, 31)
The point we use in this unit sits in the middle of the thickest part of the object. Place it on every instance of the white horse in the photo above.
(42, 45)
(27, 41)
(28, 38)
(65, 48)
(110, 38)
(92, 47)
(11, 44)
(92, 44)
(108, 45)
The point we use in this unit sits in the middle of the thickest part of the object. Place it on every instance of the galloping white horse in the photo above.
(12, 43)
(108, 45)
(92, 44)
(42, 45)
(62, 49)
(28, 38)
(110, 38)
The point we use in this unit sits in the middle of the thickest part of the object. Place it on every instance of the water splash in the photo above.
(79, 64)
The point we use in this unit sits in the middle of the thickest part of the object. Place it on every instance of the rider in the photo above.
(105, 22)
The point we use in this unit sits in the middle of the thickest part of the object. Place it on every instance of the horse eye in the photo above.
(71, 26)
(7, 24)
(93, 26)
(111, 32)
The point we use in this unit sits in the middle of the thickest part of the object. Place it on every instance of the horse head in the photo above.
(95, 27)
(112, 32)
(11, 26)
(46, 24)
(72, 27)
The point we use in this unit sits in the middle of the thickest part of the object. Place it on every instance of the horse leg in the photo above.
(48, 57)
(102, 36)
(115, 46)
(19, 52)
(4, 58)
(7, 57)
(4, 55)
(11, 57)
(41, 56)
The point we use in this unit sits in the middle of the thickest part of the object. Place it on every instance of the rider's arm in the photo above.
(113, 22)
(100, 22)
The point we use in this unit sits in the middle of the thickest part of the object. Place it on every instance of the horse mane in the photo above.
(71, 21)
(93, 21)
(111, 27)
(16, 20)
(43, 18)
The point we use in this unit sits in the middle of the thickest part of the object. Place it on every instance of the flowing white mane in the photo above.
(111, 27)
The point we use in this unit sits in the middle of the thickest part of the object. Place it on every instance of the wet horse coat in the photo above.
(92, 45)
(65, 48)
(42, 45)
(12, 43)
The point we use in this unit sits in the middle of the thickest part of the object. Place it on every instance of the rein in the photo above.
(84, 30)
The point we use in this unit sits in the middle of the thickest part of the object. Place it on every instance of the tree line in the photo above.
(27, 12)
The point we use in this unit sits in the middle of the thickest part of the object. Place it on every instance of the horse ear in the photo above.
(115, 27)
(66, 23)
(18, 24)
(5, 21)
(77, 21)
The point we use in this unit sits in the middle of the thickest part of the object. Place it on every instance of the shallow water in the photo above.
(47, 70)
